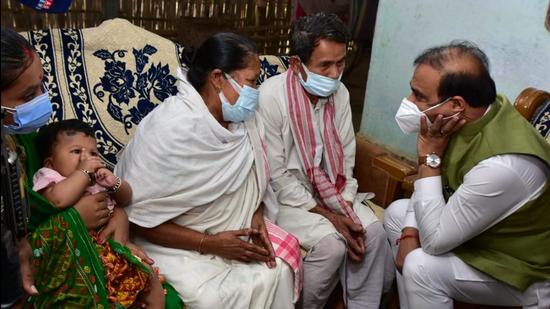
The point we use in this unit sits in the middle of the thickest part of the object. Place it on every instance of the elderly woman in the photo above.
(200, 178)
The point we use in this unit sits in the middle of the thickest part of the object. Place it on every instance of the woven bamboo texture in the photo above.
(267, 22)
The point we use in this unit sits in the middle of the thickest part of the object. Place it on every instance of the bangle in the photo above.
(117, 185)
(200, 244)
(87, 173)
(398, 240)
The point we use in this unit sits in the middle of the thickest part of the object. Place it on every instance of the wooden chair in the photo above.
(530, 101)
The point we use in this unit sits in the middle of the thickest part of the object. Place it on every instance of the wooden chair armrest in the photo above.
(397, 171)
(529, 100)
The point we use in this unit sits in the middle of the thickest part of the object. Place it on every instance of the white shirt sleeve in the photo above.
(344, 125)
(491, 191)
(288, 189)
(410, 216)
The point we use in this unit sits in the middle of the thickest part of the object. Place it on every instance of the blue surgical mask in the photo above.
(244, 107)
(319, 85)
(29, 116)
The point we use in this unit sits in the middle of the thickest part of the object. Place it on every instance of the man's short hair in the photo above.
(309, 30)
(464, 69)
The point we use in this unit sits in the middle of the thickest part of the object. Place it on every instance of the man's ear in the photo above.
(296, 66)
(216, 79)
(459, 104)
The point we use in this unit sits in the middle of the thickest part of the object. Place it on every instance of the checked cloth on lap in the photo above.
(287, 247)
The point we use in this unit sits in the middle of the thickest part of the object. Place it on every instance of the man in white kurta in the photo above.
(430, 231)
(327, 260)
(185, 168)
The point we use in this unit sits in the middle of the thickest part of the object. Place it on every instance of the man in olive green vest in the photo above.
(477, 228)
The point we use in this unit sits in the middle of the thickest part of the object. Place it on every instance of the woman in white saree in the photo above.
(200, 178)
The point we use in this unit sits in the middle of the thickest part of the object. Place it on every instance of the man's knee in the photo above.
(395, 214)
(376, 235)
(396, 210)
(331, 249)
(414, 267)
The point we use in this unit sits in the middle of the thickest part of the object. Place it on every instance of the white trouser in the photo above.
(366, 281)
(430, 281)
(326, 262)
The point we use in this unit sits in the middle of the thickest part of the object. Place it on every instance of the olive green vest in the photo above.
(517, 249)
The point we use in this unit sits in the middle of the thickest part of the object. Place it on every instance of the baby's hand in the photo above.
(105, 178)
(89, 163)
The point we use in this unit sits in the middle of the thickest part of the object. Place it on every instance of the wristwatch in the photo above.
(432, 160)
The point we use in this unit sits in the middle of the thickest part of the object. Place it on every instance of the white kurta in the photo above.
(184, 167)
(290, 183)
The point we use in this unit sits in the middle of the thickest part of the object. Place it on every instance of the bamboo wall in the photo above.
(267, 22)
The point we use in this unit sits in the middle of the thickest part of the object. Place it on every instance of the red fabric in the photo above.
(301, 122)
(287, 247)
(299, 11)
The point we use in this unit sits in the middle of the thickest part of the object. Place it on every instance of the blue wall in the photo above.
(511, 32)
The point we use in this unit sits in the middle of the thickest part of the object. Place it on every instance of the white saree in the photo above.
(184, 167)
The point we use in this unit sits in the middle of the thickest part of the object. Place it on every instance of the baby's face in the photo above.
(67, 151)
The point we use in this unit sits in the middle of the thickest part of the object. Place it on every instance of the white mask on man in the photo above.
(408, 116)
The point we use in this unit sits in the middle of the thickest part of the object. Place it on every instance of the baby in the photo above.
(73, 168)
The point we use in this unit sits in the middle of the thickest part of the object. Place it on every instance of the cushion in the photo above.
(109, 76)
(271, 65)
(541, 120)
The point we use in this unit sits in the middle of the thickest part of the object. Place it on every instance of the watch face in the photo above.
(433, 160)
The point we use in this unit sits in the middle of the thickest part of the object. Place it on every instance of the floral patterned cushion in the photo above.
(271, 65)
(109, 76)
(112, 75)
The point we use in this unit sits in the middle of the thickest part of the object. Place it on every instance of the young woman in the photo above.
(66, 265)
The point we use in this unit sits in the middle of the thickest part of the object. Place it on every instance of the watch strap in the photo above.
(422, 159)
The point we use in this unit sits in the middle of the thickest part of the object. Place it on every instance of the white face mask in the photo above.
(408, 116)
